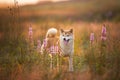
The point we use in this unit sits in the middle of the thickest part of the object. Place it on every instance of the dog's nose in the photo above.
(64, 39)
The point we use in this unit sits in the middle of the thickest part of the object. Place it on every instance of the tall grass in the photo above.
(100, 61)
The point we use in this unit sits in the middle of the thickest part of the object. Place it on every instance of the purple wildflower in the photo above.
(103, 33)
(39, 44)
(45, 43)
(91, 37)
(53, 49)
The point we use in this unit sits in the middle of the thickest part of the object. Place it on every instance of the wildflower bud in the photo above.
(91, 37)
(30, 32)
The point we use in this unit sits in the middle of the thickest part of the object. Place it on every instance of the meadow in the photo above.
(20, 60)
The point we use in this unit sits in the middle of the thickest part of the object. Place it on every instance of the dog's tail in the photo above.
(51, 33)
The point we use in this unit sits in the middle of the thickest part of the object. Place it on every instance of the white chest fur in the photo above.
(67, 49)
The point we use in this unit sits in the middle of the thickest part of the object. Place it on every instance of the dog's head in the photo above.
(66, 35)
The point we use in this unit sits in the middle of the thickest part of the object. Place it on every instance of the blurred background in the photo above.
(18, 57)
(88, 10)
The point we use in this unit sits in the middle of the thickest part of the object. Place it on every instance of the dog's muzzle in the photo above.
(66, 41)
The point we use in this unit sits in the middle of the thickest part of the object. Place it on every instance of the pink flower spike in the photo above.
(30, 31)
(45, 43)
(92, 37)
(103, 30)
(38, 45)
(103, 33)
(52, 49)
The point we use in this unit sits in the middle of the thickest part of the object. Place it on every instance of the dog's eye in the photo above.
(67, 35)
(63, 35)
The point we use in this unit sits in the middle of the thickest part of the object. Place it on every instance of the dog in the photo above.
(65, 41)
(67, 45)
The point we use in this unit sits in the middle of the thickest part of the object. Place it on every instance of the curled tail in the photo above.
(50, 38)
(51, 33)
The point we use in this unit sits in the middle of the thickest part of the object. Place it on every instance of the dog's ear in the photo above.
(71, 30)
(61, 30)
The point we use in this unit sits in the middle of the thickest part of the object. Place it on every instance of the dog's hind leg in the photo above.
(51, 63)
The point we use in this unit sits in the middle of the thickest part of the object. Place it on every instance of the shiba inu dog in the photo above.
(65, 42)
(67, 45)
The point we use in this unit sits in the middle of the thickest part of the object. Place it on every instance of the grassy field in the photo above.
(19, 59)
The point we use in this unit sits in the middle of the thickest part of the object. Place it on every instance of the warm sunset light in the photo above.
(20, 1)
(58, 0)
(27, 1)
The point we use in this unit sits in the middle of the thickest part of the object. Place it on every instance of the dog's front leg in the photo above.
(70, 63)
